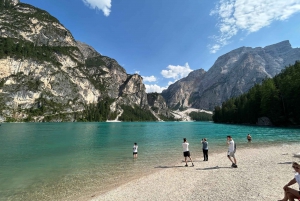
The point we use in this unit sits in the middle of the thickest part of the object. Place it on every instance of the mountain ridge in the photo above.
(46, 75)
(232, 74)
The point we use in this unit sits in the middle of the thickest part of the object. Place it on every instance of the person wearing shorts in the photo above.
(186, 152)
(135, 150)
(249, 138)
(231, 151)
(290, 193)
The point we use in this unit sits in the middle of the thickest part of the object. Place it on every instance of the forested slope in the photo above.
(277, 98)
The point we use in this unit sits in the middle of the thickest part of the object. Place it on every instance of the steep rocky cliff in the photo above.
(159, 105)
(46, 75)
(231, 75)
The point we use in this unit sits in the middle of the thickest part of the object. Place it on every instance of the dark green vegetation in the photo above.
(94, 61)
(20, 49)
(277, 98)
(5, 5)
(98, 112)
(200, 116)
(136, 114)
(51, 110)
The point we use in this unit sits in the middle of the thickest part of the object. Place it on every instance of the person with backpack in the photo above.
(231, 151)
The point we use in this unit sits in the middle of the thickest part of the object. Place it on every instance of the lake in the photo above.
(63, 161)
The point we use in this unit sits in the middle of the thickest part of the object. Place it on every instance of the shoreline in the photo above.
(261, 174)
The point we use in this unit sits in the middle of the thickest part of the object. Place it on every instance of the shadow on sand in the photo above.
(173, 166)
(285, 163)
(213, 168)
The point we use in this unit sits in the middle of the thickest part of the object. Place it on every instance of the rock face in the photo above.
(178, 94)
(47, 69)
(231, 75)
(158, 104)
(35, 25)
(264, 121)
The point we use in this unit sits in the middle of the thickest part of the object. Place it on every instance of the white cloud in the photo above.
(170, 82)
(154, 88)
(137, 72)
(176, 72)
(249, 16)
(149, 79)
(103, 5)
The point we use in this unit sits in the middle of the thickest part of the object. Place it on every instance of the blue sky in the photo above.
(164, 40)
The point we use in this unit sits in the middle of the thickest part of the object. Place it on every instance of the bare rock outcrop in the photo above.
(46, 72)
(231, 75)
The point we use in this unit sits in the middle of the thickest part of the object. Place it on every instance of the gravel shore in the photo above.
(261, 174)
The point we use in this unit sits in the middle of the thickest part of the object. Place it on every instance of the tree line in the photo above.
(200, 116)
(136, 114)
(20, 49)
(5, 4)
(276, 98)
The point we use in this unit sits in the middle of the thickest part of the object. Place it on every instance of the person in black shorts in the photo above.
(186, 152)
(135, 150)
(249, 138)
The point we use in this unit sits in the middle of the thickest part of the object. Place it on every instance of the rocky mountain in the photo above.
(159, 105)
(232, 74)
(46, 75)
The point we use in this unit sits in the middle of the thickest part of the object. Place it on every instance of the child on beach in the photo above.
(205, 149)
(186, 152)
(135, 150)
(289, 193)
(231, 151)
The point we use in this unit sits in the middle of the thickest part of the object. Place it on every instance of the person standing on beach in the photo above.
(231, 151)
(289, 193)
(249, 138)
(135, 150)
(186, 152)
(205, 149)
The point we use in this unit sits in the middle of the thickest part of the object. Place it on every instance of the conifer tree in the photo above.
(1, 5)
(6, 4)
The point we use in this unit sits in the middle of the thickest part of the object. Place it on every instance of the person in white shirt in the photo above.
(289, 193)
(231, 151)
(135, 150)
(186, 152)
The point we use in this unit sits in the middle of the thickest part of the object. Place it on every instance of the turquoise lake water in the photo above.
(63, 161)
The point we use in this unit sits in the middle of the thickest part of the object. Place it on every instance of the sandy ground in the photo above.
(261, 174)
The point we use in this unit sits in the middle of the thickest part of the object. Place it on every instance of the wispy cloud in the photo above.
(149, 78)
(103, 5)
(176, 72)
(249, 16)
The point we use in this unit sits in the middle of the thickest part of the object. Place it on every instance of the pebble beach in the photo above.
(261, 174)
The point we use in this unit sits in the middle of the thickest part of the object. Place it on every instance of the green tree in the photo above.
(1, 5)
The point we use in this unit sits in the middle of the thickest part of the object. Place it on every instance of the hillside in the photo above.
(233, 74)
(46, 75)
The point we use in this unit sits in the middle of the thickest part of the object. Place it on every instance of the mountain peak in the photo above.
(232, 74)
(285, 43)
